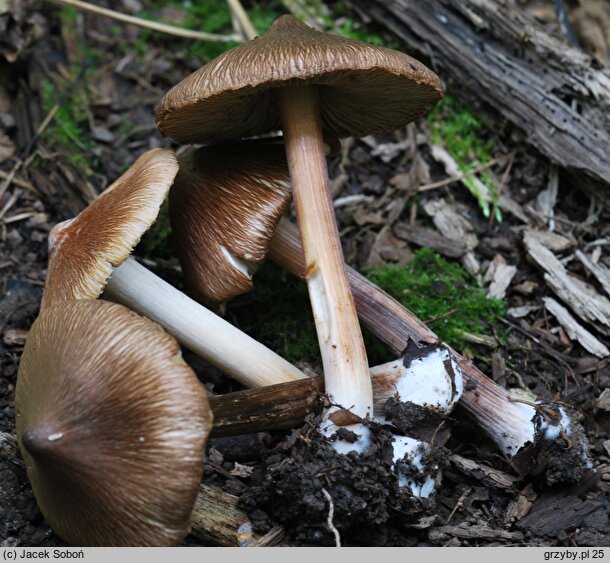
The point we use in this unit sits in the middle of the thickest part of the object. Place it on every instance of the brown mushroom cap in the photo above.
(83, 251)
(224, 207)
(112, 425)
(364, 89)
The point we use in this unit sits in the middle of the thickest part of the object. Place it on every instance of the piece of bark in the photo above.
(216, 518)
(496, 52)
(484, 473)
(551, 515)
(600, 272)
(430, 239)
(521, 506)
(589, 305)
(575, 331)
(561, 510)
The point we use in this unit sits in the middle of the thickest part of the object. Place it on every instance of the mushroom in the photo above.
(307, 81)
(515, 426)
(94, 231)
(113, 439)
(86, 250)
(522, 430)
(223, 213)
(112, 425)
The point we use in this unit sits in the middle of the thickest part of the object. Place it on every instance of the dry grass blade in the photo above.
(163, 28)
(242, 17)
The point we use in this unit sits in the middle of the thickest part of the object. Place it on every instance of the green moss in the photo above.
(463, 135)
(441, 294)
(68, 132)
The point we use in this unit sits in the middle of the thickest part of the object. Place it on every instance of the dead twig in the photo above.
(19, 163)
(459, 504)
(163, 28)
(18, 182)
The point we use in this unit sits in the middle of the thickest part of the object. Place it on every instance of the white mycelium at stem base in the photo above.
(428, 377)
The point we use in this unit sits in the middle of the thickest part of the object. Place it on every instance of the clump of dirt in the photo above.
(417, 421)
(305, 473)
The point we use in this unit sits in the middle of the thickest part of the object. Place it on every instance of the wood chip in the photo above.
(428, 238)
(551, 240)
(499, 275)
(422, 523)
(9, 449)
(240, 470)
(216, 517)
(506, 203)
(386, 247)
(589, 305)
(454, 226)
(604, 400)
(389, 151)
(523, 311)
(15, 337)
(526, 288)
(452, 168)
(575, 331)
(484, 473)
(546, 199)
(600, 272)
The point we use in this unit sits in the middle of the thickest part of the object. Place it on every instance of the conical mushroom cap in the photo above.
(363, 88)
(112, 425)
(224, 207)
(83, 251)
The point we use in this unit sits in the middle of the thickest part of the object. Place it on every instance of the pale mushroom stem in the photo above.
(198, 329)
(342, 349)
(509, 424)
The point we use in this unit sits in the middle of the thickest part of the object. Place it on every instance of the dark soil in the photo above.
(52, 61)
